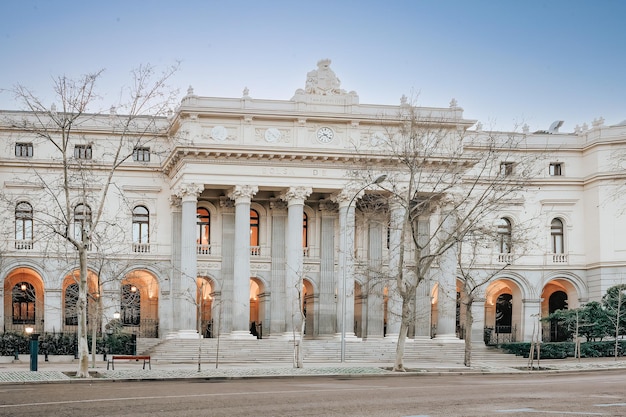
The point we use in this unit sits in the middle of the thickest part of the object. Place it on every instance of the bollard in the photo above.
(34, 351)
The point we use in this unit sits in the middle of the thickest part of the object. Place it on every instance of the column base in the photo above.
(241, 335)
(183, 334)
(448, 338)
(349, 336)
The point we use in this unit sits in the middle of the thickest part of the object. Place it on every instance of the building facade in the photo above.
(243, 217)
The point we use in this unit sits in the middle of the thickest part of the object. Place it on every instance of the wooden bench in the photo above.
(144, 358)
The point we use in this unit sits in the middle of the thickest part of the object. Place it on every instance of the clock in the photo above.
(219, 133)
(325, 134)
(272, 135)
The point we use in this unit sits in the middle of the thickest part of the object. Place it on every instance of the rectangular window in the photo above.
(24, 149)
(556, 169)
(506, 168)
(82, 151)
(141, 154)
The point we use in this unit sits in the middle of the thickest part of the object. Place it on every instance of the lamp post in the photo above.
(344, 256)
(33, 347)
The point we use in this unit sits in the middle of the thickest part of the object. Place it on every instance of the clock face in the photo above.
(219, 133)
(325, 134)
(272, 135)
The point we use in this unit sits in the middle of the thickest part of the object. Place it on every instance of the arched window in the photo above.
(504, 235)
(24, 297)
(131, 305)
(254, 233)
(305, 233)
(556, 232)
(71, 299)
(82, 223)
(23, 225)
(141, 226)
(203, 240)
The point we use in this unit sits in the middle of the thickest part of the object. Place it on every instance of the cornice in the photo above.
(289, 157)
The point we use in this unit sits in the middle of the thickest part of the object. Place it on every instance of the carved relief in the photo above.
(328, 207)
(243, 192)
(189, 191)
(296, 194)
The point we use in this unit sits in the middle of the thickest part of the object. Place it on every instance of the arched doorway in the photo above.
(204, 300)
(557, 294)
(503, 311)
(139, 304)
(70, 298)
(308, 308)
(257, 307)
(358, 309)
(23, 301)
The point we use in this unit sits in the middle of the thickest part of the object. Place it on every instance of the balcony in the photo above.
(506, 258)
(255, 251)
(141, 247)
(203, 249)
(24, 244)
(558, 258)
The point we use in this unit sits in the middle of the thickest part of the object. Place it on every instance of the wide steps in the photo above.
(281, 350)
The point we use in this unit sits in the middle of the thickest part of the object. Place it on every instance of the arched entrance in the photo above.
(257, 307)
(70, 298)
(139, 304)
(503, 311)
(557, 294)
(204, 300)
(23, 301)
(358, 309)
(308, 308)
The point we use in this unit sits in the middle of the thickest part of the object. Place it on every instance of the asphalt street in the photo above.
(588, 393)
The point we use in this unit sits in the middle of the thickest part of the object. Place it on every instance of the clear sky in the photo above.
(506, 62)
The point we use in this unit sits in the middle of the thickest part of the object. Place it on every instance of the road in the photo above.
(565, 394)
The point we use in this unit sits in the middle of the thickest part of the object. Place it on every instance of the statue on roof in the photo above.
(323, 80)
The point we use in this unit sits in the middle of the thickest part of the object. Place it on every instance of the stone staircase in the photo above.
(320, 350)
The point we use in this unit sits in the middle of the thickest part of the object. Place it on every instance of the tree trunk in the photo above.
(469, 320)
(81, 307)
(398, 365)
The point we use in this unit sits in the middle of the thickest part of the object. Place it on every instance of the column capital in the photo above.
(347, 195)
(296, 195)
(189, 191)
(242, 193)
(328, 207)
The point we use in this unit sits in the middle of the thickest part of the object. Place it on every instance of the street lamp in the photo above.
(34, 347)
(344, 255)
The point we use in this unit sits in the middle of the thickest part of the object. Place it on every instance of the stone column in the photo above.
(478, 321)
(225, 306)
(53, 310)
(531, 312)
(394, 301)
(277, 306)
(345, 287)
(374, 318)
(170, 291)
(185, 304)
(327, 306)
(294, 271)
(446, 296)
(242, 194)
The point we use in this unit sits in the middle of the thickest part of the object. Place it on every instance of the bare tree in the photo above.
(443, 184)
(77, 187)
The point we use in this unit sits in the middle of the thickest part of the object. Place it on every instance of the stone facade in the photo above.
(238, 200)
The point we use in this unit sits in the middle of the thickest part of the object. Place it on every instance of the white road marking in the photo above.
(611, 405)
(532, 410)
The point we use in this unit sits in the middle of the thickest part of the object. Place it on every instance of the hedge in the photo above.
(64, 344)
(561, 350)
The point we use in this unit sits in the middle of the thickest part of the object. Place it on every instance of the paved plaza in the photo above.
(52, 372)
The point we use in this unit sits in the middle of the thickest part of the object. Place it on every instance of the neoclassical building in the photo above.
(215, 222)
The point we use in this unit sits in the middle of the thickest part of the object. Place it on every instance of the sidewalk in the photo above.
(19, 372)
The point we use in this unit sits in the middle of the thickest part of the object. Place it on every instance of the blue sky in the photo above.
(505, 62)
